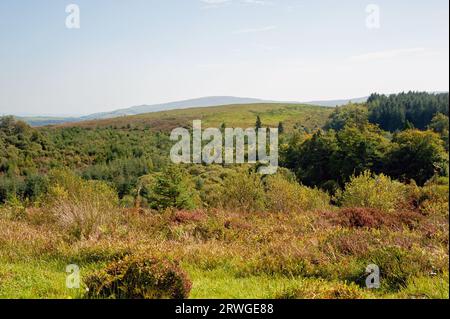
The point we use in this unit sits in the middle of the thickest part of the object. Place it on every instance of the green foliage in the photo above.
(372, 191)
(440, 125)
(172, 188)
(358, 149)
(139, 278)
(416, 155)
(426, 287)
(351, 114)
(329, 159)
(393, 112)
(310, 160)
(290, 197)
(434, 196)
(243, 191)
(398, 266)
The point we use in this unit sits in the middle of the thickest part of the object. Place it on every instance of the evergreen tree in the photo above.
(258, 124)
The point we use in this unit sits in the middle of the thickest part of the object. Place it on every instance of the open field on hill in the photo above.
(243, 116)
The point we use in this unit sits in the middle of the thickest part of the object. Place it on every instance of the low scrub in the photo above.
(243, 191)
(356, 217)
(288, 196)
(139, 278)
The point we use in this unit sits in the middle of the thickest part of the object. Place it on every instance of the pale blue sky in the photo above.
(150, 51)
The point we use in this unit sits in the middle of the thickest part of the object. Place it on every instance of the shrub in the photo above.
(83, 208)
(434, 197)
(243, 191)
(139, 278)
(284, 196)
(377, 191)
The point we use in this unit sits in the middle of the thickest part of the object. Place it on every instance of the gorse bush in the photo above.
(373, 191)
(286, 197)
(83, 208)
(139, 278)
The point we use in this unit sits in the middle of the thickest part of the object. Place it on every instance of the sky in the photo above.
(136, 52)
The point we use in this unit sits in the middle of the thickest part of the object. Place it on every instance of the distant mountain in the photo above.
(47, 120)
(141, 109)
(199, 102)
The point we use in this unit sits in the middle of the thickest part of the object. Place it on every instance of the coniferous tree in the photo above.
(258, 124)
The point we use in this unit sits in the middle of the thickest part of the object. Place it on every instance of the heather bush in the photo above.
(139, 278)
(356, 217)
(373, 191)
(82, 208)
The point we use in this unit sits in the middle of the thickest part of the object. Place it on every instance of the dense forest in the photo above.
(406, 110)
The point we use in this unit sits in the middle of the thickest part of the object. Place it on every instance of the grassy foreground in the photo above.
(229, 254)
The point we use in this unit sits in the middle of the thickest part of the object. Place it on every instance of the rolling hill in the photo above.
(178, 105)
(237, 115)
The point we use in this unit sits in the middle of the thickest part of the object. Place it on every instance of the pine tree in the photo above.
(258, 124)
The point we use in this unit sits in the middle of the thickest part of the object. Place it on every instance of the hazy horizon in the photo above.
(151, 52)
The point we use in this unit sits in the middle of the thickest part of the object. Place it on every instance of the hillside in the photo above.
(237, 115)
(142, 109)
(177, 105)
